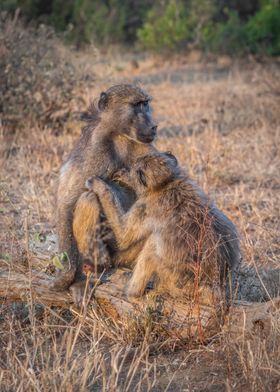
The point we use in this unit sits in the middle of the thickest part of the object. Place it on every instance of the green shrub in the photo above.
(225, 37)
(263, 30)
(260, 33)
(221, 26)
(90, 20)
(94, 21)
(166, 26)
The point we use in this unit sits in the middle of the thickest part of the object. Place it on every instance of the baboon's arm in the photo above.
(128, 227)
(111, 207)
(68, 192)
(66, 244)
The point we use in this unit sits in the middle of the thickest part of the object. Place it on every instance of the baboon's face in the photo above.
(142, 127)
(150, 172)
(129, 108)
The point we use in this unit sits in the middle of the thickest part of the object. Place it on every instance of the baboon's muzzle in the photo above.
(148, 137)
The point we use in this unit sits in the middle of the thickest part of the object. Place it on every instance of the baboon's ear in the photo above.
(89, 183)
(103, 101)
(142, 177)
(172, 157)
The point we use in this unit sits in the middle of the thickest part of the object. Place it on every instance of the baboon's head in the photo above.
(127, 109)
(150, 172)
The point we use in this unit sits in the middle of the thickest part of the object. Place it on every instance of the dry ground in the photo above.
(223, 124)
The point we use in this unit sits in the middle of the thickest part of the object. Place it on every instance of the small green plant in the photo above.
(5, 256)
(61, 261)
(40, 237)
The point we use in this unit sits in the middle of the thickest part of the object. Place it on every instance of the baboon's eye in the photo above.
(142, 177)
(146, 106)
(142, 106)
(137, 107)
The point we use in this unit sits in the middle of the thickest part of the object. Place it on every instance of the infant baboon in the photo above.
(172, 231)
(118, 132)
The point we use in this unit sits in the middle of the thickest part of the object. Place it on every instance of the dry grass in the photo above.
(229, 139)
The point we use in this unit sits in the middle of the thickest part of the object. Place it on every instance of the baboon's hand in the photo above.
(93, 184)
(133, 293)
(122, 176)
(89, 182)
(99, 186)
(119, 174)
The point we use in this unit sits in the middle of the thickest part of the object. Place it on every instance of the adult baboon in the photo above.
(118, 132)
(185, 240)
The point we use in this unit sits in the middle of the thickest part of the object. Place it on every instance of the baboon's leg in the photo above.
(166, 280)
(229, 248)
(87, 232)
(129, 252)
(146, 266)
(87, 229)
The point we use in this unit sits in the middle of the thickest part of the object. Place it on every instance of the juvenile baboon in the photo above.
(119, 131)
(172, 231)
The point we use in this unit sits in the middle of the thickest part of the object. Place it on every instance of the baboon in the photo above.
(118, 131)
(173, 231)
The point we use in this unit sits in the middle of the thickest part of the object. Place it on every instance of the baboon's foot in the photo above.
(81, 292)
(134, 291)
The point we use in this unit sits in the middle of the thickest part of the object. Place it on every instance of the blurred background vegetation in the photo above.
(221, 26)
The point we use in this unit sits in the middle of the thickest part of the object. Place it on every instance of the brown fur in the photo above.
(118, 132)
(91, 231)
(184, 239)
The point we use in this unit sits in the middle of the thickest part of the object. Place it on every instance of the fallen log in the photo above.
(181, 319)
(16, 286)
(249, 318)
